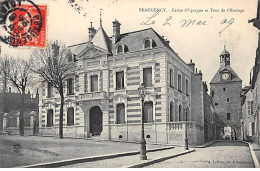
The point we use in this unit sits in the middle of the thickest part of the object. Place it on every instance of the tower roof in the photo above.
(216, 78)
(225, 52)
(101, 39)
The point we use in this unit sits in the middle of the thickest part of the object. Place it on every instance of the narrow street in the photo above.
(225, 154)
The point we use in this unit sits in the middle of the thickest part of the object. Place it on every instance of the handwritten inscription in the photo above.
(185, 22)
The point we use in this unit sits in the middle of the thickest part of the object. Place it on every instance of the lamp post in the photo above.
(142, 91)
(186, 130)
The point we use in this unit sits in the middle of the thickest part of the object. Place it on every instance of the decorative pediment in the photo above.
(92, 51)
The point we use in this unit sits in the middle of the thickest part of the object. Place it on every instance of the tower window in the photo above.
(216, 104)
(228, 116)
(224, 89)
(228, 100)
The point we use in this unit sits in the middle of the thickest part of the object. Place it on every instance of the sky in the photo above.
(202, 41)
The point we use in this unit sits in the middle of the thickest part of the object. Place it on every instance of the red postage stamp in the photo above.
(25, 24)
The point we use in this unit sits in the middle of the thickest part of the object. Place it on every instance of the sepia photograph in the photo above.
(129, 84)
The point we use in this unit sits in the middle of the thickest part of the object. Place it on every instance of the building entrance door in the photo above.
(95, 121)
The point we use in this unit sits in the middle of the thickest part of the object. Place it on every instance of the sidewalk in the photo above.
(133, 161)
(255, 152)
(35, 150)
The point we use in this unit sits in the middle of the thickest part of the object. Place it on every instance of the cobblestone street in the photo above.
(225, 154)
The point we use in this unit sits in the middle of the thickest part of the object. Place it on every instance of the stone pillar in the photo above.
(5, 122)
(87, 124)
(106, 132)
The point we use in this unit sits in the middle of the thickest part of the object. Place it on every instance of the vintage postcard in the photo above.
(129, 84)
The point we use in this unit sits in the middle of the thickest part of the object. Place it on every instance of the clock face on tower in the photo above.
(225, 76)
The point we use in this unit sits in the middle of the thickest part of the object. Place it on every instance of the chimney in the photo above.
(91, 32)
(116, 31)
(167, 42)
(192, 66)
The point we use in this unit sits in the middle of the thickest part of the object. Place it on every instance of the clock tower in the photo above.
(225, 91)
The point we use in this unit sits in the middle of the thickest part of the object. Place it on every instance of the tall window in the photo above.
(179, 82)
(120, 49)
(120, 80)
(120, 113)
(253, 128)
(250, 107)
(148, 112)
(70, 116)
(94, 83)
(228, 116)
(70, 86)
(50, 90)
(50, 118)
(180, 113)
(147, 77)
(187, 87)
(171, 78)
(171, 112)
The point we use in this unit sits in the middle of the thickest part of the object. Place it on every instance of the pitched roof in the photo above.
(101, 39)
(76, 49)
(216, 78)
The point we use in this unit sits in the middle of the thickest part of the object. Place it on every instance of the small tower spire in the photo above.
(100, 18)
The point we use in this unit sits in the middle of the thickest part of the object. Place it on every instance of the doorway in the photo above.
(96, 121)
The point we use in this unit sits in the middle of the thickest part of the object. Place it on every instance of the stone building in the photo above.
(225, 89)
(102, 99)
(201, 105)
(247, 124)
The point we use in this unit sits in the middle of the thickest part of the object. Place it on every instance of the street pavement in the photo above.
(36, 150)
(224, 154)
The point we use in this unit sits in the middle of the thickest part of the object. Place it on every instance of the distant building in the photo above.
(102, 99)
(225, 89)
(10, 110)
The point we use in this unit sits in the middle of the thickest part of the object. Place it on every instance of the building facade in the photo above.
(247, 120)
(102, 99)
(225, 88)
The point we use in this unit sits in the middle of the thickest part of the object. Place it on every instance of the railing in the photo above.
(93, 95)
(181, 125)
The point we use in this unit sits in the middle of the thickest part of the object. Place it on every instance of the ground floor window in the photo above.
(120, 113)
(70, 116)
(50, 118)
(148, 112)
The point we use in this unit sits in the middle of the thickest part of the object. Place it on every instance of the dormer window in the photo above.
(120, 49)
(147, 44)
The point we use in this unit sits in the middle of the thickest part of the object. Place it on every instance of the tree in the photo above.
(18, 72)
(4, 72)
(52, 67)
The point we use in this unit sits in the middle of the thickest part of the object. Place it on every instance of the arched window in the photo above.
(179, 82)
(171, 112)
(70, 116)
(180, 113)
(120, 49)
(147, 44)
(148, 112)
(50, 118)
(120, 113)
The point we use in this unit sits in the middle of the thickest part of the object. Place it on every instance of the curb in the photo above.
(204, 146)
(256, 162)
(89, 159)
(147, 163)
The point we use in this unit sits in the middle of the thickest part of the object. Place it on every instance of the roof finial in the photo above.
(90, 24)
(100, 18)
